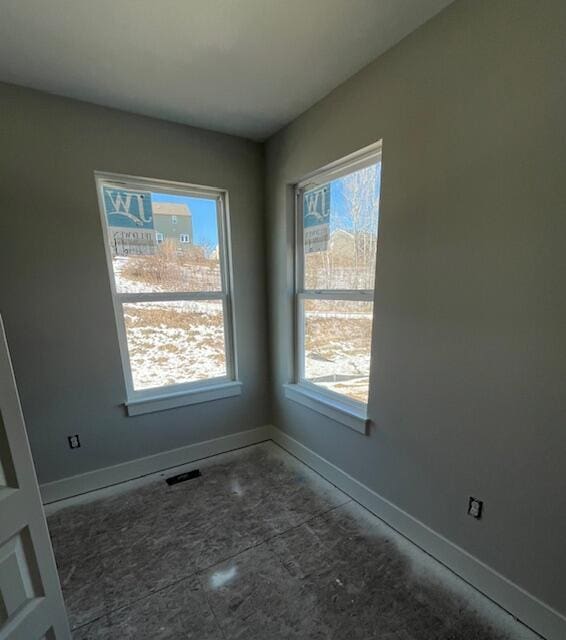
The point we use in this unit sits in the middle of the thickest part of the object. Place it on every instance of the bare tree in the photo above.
(361, 193)
(349, 260)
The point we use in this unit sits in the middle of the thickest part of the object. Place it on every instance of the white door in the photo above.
(31, 604)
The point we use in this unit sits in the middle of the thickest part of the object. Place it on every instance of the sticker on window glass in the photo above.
(316, 219)
(129, 217)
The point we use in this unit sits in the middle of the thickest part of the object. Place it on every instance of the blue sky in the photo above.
(340, 217)
(205, 230)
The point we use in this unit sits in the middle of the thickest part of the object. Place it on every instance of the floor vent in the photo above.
(181, 477)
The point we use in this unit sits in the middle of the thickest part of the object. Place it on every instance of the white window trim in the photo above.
(337, 410)
(184, 238)
(160, 398)
(184, 398)
(349, 412)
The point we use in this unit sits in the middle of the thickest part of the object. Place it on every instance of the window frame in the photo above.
(338, 406)
(165, 397)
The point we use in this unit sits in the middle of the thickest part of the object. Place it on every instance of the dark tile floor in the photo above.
(259, 547)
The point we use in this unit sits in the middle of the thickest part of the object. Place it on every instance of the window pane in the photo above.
(340, 231)
(162, 242)
(175, 342)
(338, 345)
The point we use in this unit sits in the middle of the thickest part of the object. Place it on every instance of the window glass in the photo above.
(151, 254)
(175, 342)
(338, 345)
(340, 231)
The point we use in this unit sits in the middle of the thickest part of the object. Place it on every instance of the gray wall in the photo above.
(469, 363)
(54, 288)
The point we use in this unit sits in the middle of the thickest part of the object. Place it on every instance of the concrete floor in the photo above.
(259, 547)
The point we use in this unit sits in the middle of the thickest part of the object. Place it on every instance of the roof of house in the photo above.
(170, 209)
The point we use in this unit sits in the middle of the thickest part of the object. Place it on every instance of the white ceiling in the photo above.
(245, 67)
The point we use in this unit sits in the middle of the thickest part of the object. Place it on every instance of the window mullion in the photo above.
(365, 295)
(169, 296)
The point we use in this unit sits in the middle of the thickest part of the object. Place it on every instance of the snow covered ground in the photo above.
(337, 351)
(352, 378)
(183, 341)
(175, 342)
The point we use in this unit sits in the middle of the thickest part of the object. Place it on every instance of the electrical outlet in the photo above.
(475, 508)
(74, 442)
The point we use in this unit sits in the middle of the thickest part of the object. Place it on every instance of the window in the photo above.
(173, 308)
(184, 238)
(174, 219)
(337, 219)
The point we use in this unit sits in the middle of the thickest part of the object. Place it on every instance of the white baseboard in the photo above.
(100, 478)
(519, 603)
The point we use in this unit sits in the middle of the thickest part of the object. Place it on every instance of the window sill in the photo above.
(184, 398)
(338, 411)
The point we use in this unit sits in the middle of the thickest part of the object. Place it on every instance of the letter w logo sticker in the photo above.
(128, 208)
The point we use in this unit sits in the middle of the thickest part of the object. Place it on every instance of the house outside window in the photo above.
(174, 221)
